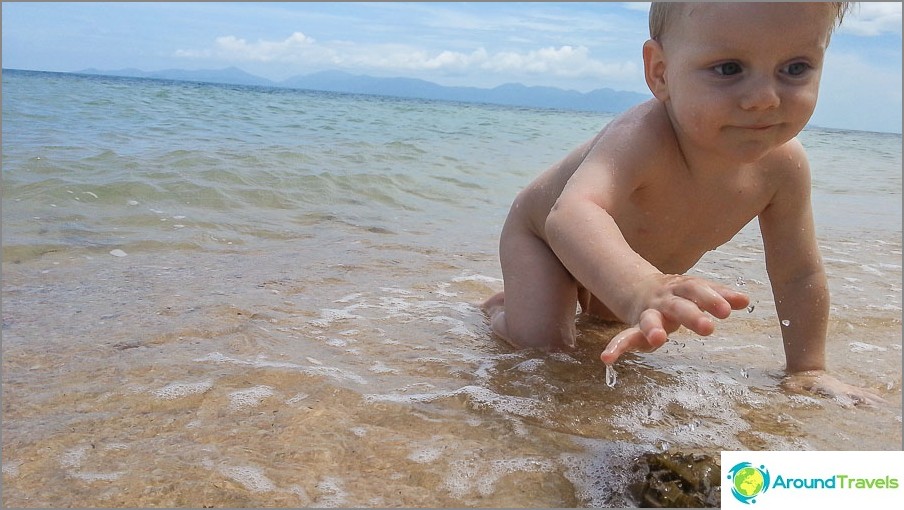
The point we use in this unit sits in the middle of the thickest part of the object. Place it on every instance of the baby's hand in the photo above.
(672, 301)
(825, 385)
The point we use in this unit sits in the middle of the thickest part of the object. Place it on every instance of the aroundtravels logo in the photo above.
(809, 479)
(748, 482)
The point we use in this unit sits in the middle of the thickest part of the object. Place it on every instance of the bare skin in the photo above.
(614, 226)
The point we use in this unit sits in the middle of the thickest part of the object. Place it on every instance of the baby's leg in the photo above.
(540, 298)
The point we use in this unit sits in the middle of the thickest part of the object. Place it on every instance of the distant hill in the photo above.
(510, 94)
(230, 75)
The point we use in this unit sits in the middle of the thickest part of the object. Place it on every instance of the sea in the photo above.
(218, 295)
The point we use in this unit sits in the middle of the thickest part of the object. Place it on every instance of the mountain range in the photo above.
(510, 94)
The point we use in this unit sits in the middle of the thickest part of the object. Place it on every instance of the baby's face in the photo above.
(742, 78)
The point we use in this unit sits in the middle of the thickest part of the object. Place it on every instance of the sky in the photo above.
(577, 46)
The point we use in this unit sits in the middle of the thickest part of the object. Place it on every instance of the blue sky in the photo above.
(579, 46)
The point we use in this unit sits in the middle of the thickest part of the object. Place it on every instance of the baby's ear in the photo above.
(654, 69)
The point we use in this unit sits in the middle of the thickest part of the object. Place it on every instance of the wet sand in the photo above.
(278, 377)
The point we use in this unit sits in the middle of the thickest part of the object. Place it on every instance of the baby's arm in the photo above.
(584, 235)
(799, 284)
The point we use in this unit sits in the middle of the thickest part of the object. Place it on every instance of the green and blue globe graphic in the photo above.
(748, 482)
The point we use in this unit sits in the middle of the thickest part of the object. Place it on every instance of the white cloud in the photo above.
(233, 48)
(564, 61)
(872, 19)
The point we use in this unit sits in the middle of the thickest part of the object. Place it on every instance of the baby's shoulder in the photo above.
(788, 158)
(646, 121)
(639, 137)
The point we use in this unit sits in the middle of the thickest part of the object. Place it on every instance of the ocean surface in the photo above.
(237, 296)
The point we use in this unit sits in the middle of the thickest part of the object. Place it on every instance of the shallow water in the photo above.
(291, 318)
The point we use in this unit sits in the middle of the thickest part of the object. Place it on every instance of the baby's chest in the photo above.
(676, 236)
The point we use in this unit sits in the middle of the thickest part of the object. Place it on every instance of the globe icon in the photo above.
(748, 482)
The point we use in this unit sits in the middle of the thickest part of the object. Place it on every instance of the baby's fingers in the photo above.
(717, 300)
(680, 311)
(628, 340)
(737, 300)
(631, 340)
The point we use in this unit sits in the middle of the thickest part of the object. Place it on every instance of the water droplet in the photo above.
(786, 323)
(740, 282)
(611, 376)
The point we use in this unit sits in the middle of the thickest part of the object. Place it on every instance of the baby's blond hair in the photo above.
(663, 13)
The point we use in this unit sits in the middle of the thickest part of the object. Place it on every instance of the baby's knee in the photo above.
(542, 338)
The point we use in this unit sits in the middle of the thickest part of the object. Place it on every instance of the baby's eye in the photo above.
(797, 68)
(727, 69)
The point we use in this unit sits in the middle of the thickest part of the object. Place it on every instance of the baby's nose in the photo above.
(762, 94)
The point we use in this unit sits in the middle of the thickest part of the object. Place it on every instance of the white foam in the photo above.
(396, 290)
(301, 493)
(425, 455)
(251, 477)
(297, 398)
(380, 368)
(459, 327)
(73, 458)
(598, 474)
(564, 357)
(331, 315)
(10, 468)
(93, 477)
(736, 347)
(865, 347)
(870, 269)
(530, 365)
(349, 298)
(333, 495)
(332, 372)
(478, 397)
(395, 306)
(698, 394)
(251, 397)
(469, 475)
(182, 389)
(442, 290)
(477, 278)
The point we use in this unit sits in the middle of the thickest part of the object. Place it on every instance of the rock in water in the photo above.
(677, 480)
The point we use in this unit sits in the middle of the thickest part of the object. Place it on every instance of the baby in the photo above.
(614, 226)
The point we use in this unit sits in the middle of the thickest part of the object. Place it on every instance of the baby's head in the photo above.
(748, 70)
(663, 14)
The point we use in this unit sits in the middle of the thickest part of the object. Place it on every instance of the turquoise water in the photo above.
(246, 296)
